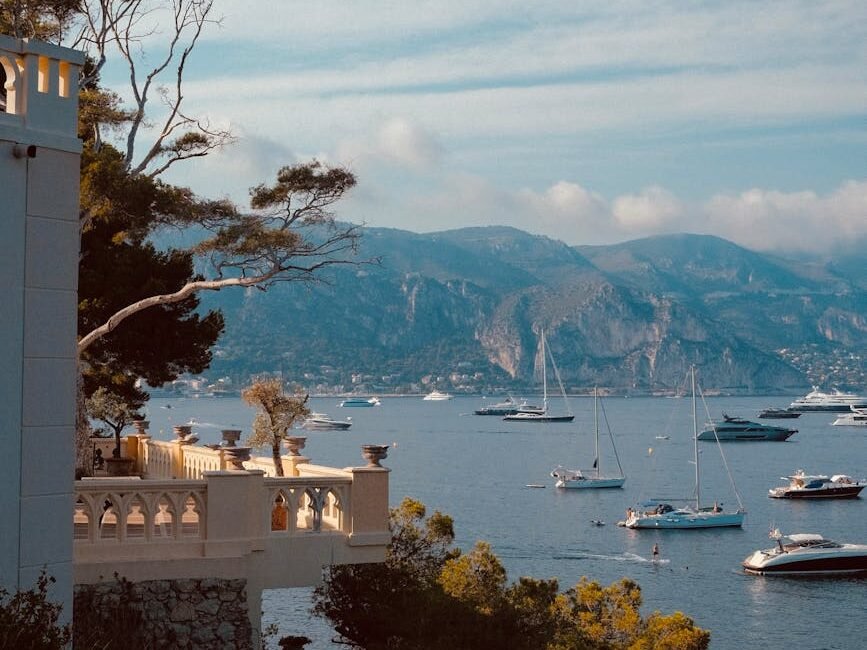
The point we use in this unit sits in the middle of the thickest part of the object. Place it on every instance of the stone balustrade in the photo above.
(188, 513)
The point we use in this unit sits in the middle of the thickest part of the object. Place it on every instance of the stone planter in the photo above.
(230, 437)
(122, 466)
(374, 453)
(294, 444)
(141, 427)
(182, 431)
(235, 456)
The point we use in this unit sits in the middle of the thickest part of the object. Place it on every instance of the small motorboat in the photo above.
(323, 422)
(771, 413)
(597, 522)
(807, 554)
(805, 486)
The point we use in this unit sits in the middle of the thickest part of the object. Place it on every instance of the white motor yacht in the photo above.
(323, 422)
(805, 486)
(807, 554)
(437, 396)
(816, 400)
(855, 418)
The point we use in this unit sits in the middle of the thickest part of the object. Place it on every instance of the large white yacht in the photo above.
(806, 554)
(816, 400)
(437, 396)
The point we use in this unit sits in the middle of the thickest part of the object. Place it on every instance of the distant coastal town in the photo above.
(845, 370)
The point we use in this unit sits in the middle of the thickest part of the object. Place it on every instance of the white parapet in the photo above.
(191, 507)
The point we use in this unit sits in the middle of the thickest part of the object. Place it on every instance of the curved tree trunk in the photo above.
(164, 299)
(278, 460)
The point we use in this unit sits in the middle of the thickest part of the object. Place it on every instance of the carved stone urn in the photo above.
(230, 437)
(374, 453)
(141, 427)
(295, 444)
(182, 431)
(235, 456)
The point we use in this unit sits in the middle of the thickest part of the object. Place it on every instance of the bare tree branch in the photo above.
(125, 24)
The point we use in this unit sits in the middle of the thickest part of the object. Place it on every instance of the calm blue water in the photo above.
(476, 469)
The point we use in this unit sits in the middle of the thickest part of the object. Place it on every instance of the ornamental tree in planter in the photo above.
(277, 414)
(116, 413)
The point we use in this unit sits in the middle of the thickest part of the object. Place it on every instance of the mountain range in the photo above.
(462, 310)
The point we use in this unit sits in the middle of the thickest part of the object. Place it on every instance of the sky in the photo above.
(588, 122)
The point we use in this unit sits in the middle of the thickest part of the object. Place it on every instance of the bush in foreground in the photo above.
(428, 595)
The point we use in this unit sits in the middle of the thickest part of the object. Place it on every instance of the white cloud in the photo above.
(653, 210)
(793, 221)
(406, 143)
(758, 219)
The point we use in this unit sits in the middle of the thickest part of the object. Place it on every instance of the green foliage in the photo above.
(113, 410)
(477, 579)
(303, 191)
(428, 596)
(42, 19)
(29, 621)
(120, 266)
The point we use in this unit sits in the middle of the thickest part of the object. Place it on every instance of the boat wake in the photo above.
(203, 425)
(622, 557)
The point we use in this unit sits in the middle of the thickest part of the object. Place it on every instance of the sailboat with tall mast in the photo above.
(592, 478)
(533, 414)
(657, 514)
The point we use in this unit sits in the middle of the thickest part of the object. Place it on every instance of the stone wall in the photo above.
(186, 614)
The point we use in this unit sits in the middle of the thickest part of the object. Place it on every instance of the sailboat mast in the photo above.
(544, 376)
(695, 443)
(596, 426)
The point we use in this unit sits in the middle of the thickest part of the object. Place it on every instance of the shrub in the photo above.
(29, 621)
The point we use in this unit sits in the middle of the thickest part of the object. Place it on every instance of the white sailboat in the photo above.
(592, 478)
(657, 514)
(534, 414)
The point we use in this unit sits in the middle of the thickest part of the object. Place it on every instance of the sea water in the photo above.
(477, 469)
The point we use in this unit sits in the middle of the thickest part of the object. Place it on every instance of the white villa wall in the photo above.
(39, 267)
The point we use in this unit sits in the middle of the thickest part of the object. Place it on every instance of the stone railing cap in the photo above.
(35, 46)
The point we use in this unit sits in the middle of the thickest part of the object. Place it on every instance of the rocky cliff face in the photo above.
(472, 302)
